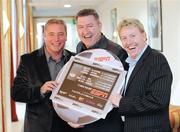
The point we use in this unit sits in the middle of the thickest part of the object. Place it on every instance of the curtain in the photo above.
(22, 44)
(2, 125)
(13, 56)
(13, 106)
(29, 28)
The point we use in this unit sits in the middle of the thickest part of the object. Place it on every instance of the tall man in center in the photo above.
(89, 31)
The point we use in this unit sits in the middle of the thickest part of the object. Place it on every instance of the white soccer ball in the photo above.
(98, 55)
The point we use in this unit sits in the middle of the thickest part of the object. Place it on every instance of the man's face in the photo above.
(133, 40)
(89, 30)
(55, 38)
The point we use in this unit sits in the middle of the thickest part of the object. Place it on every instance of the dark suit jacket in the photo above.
(32, 73)
(146, 102)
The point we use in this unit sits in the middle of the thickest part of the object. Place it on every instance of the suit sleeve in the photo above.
(25, 88)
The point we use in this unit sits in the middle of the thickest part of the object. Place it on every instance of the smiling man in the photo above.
(145, 100)
(89, 31)
(35, 80)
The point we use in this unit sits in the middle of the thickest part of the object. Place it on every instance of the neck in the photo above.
(55, 55)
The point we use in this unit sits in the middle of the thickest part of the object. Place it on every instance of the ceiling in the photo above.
(56, 7)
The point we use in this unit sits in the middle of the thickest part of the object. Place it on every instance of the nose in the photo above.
(85, 30)
(129, 40)
(57, 37)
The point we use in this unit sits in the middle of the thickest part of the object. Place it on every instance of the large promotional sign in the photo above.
(85, 86)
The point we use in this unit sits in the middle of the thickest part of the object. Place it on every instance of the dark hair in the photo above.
(87, 12)
(55, 21)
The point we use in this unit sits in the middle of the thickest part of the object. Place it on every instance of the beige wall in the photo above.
(171, 30)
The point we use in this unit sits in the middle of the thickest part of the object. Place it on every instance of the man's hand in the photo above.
(115, 99)
(74, 125)
(48, 86)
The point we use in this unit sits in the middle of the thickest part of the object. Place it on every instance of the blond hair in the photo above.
(130, 22)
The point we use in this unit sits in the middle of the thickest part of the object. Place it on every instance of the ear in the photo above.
(44, 34)
(145, 36)
(44, 37)
(100, 24)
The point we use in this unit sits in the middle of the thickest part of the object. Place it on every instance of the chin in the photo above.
(134, 56)
(56, 50)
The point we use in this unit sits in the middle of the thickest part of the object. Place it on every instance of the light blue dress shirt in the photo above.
(132, 63)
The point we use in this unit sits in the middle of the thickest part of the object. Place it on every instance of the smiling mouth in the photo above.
(55, 43)
(132, 48)
(87, 36)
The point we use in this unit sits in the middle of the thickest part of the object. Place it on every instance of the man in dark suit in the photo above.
(35, 80)
(89, 31)
(144, 104)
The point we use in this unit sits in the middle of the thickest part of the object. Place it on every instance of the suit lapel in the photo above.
(42, 66)
(138, 66)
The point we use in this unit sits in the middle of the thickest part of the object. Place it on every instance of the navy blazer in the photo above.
(146, 102)
(32, 73)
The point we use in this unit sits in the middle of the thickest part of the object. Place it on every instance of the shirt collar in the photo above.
(48, 56)
(131, 61)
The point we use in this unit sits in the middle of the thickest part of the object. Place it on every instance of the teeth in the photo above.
(88, 36)
(131, 48)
